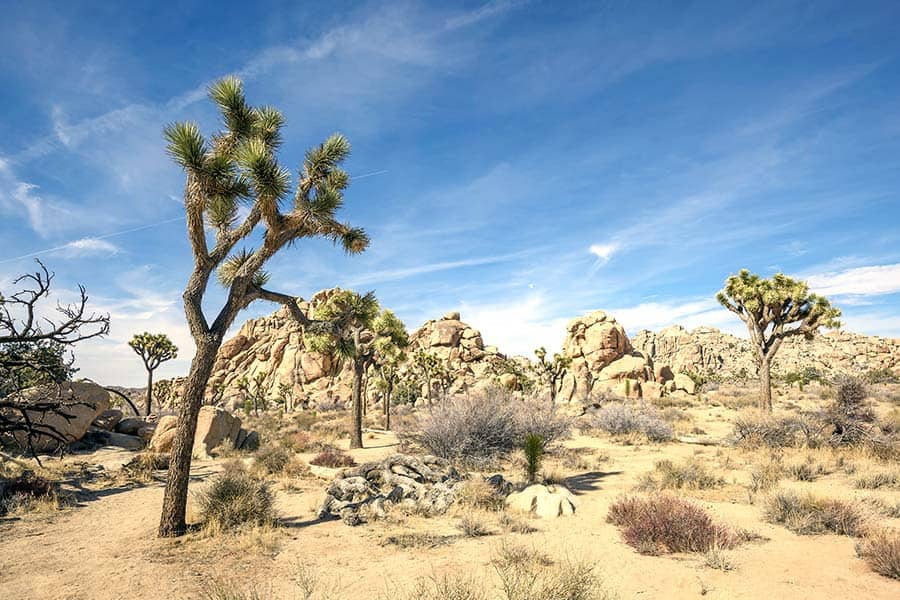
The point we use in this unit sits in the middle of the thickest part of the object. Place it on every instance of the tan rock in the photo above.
(627, 367)
(685, 383)
(83, 401)
(543, 501)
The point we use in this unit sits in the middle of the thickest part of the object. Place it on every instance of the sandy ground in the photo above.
(106, 548)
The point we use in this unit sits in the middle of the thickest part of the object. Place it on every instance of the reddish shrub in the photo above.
(332, 457)
(664, 523)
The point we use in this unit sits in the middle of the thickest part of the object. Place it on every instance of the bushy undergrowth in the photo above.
(26, 491)
(809, 515)
(690, 474)
(144, 465)
(619, 419)
(333, 458)
(772, 431)
(478, 429)
(663, 523)
(233, 499)
(272, 459)
(881, 551)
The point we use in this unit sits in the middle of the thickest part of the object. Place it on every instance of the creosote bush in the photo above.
(881, 551)
(272, 459)
(332, 457)
(663, 523)
(620, 419)
(479, 429)
(809, 515)
(234, 499)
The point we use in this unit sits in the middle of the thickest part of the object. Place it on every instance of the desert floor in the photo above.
(105, 545)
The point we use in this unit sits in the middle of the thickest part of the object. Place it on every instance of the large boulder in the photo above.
(593, 342)
(81, 402)
(108, 419)
(215, 427)
(164, 434)
(543, 501)
(628, 367)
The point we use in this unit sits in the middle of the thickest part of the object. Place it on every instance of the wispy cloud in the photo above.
(404, 273)
(874, 280)
(88, 247)
(485, 11)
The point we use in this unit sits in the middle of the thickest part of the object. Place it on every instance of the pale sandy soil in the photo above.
(106, 548)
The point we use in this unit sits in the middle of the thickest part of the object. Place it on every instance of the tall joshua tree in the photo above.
(238, 166)
(154, 349)
(358, 330)
(773, 310)
(551, 371)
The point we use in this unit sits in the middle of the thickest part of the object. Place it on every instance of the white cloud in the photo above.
(604, 252)
(395, 274)
(88, 246)
(518, 326)
(486, 11)
(874, 280)
(690, 314)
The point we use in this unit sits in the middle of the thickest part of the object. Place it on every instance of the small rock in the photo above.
(108, 419)
(543, 501)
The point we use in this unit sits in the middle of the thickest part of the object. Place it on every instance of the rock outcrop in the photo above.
(274, 347)
(708, 351)
(215, 427)
(546, 502)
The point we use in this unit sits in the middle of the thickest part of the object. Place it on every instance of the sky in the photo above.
(521, 162)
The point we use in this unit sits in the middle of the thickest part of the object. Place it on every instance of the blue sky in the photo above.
(522, 162)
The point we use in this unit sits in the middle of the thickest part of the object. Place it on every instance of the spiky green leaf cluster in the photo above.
(232, 265)
(153, 348)
(777, 302)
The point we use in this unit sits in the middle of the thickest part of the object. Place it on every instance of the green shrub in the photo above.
(233, 499)
(534, 454)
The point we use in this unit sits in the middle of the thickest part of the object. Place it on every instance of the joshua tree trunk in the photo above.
(387, 405)
(149, 390)
(172, 522)
(765, 385)
(356, 432)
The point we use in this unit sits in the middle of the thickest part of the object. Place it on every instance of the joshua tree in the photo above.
(552, 371)
(389, 355)
(286, 396)
(254, 392)
(154, 349)
(238, 167)
(428, 367)
(359, 331)
(33, 352)
(775, 309)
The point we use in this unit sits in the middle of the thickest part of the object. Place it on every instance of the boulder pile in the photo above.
(426, 485)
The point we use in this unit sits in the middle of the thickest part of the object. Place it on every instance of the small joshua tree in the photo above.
(427, 367)
(774, 310)
(358, 330)
(154, 349)
(238, 166)
(389, 355)
(253, 391)
(551, 372)
(534, 454)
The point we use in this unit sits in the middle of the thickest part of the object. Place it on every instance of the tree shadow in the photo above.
(587, 482)
(300, 523)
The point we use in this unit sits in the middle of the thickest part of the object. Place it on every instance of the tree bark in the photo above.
(356, 432)
(387, 405)
(172, 522)
(149, 390)
(765, 385)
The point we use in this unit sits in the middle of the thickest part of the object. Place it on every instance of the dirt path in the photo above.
(106, 548)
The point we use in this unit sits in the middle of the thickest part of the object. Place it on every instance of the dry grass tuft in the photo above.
(691, 474)
(810, 515)
(878, 479)
(418, 540)
(478, 493)
(473, 526)
(234, 499)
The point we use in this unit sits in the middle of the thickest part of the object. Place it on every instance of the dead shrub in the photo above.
(535, 580)
(663, 523)
(881, 551)
(332, 457)
(806, 470)
(417, 540)
(473, 526)
(514, 524)
(764, 477)
(809, 515)
(144, 466)
(618, 418)
(480, 429)
(754, 430)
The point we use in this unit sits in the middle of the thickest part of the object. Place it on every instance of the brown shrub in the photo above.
(664, 523)
(333, 458)
(881, 550)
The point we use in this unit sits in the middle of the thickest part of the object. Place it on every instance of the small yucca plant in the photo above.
(534, 453)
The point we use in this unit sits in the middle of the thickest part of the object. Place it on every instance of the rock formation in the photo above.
(708, 351)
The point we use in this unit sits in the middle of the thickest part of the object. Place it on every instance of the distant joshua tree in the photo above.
(552, 371)
(358, 333)
(238, 167)
(769, 307)
(154, 349)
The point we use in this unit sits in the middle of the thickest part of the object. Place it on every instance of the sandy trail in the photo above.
(106, 548)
